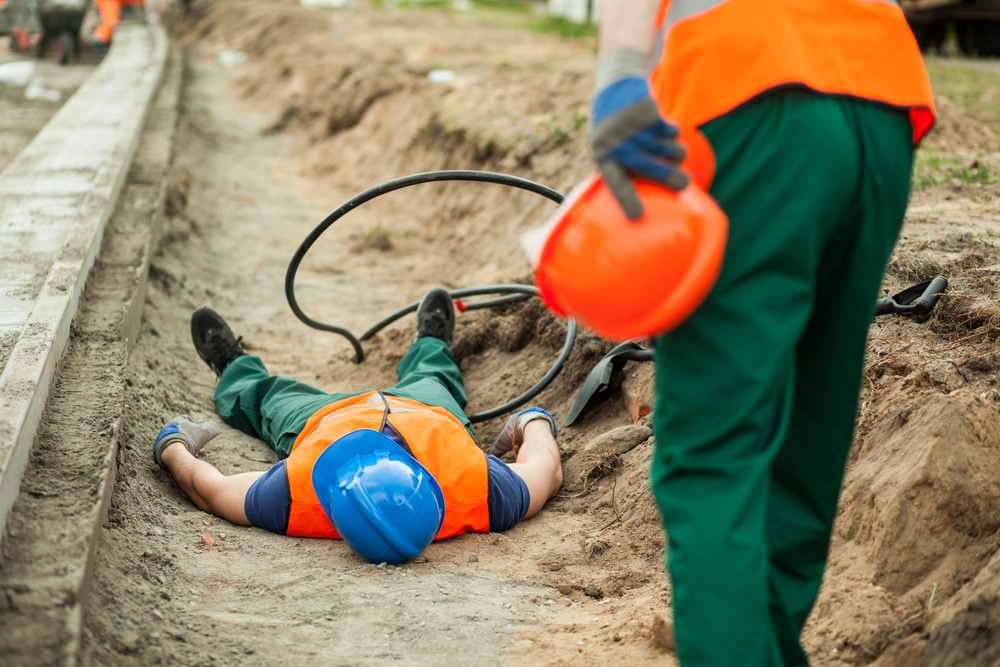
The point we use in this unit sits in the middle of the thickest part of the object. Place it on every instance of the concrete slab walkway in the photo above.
(55, 199)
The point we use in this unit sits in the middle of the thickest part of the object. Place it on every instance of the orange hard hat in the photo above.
(699, 162)
(699, 159)
(628, 279)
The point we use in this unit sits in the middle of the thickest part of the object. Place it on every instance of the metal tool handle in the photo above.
(914, 301)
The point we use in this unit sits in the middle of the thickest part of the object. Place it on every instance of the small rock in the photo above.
(592, 591)
(663, 633)
(231, 58)
(473, 557)
(564, 589)
(157, 614)
(440, 75)
(637, 392)
(619, 440)
(206, 539)
(129, 640)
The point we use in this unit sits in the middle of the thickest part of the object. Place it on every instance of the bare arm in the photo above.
(627, 24)
(215, 493)
(625, 38)
(539, 464)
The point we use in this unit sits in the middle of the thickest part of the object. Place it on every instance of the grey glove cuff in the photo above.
(619, 64)
(531, 416)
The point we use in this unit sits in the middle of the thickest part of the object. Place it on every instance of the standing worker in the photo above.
(387, 471)
(110, 12)
(812, 110)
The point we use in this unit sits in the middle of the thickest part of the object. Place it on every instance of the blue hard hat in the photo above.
(383, 502)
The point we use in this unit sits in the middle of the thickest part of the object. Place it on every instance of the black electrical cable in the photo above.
(519, 293)
(515, 292)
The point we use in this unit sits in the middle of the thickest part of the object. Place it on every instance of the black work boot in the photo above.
(436, 316)
(214, 340)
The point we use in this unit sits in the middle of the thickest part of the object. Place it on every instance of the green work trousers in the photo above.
(276, 408)
(756, 393)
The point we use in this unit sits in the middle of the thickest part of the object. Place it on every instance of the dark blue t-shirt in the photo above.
(269, 499)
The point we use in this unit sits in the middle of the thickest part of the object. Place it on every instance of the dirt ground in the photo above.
(330, 102)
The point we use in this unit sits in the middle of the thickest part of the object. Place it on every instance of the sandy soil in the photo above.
(332, 102)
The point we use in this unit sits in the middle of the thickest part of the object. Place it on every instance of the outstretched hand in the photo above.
(630, 138)
(193, 435)
(512, 436)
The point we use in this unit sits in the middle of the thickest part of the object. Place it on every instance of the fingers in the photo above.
(676, 180)
(509, 438)
(621, 187)
(512, 436)
(637, 142)
(644, 116)
(656, 147)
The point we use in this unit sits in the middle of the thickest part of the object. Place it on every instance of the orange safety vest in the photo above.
(435, 438)
(732, 51)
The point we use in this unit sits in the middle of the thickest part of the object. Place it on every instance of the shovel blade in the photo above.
(600, 375)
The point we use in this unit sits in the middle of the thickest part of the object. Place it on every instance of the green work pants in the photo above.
(756, 394)
(275, 408)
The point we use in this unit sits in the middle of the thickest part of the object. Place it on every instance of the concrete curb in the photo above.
(55, 199)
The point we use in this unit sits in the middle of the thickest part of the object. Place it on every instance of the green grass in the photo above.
(564, 28)
(988, 551)
(934, 167)
(563, 128)
(414, 4)
(972, 85)
(513, 6)
(366, 235)
(518, 6)
(514, 14)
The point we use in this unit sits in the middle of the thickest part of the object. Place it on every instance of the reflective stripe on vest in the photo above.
(434, 437)
(719, 55)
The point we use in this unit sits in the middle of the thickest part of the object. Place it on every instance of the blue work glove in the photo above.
(512, 436)
(630, 138)
(192, 435)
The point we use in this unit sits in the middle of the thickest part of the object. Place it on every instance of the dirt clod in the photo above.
(663, 633)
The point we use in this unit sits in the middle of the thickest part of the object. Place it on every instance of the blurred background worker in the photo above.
(110, 13)
(813, 110)
(386, 471)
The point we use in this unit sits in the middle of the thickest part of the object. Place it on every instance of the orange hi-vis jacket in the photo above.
(434, 437)
(719, 54)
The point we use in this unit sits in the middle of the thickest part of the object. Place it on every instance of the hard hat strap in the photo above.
(389, 431)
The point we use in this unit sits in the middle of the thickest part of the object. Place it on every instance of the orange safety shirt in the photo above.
(720, 54)
(435, 438)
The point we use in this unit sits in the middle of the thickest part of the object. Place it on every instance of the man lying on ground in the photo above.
(387, 471)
